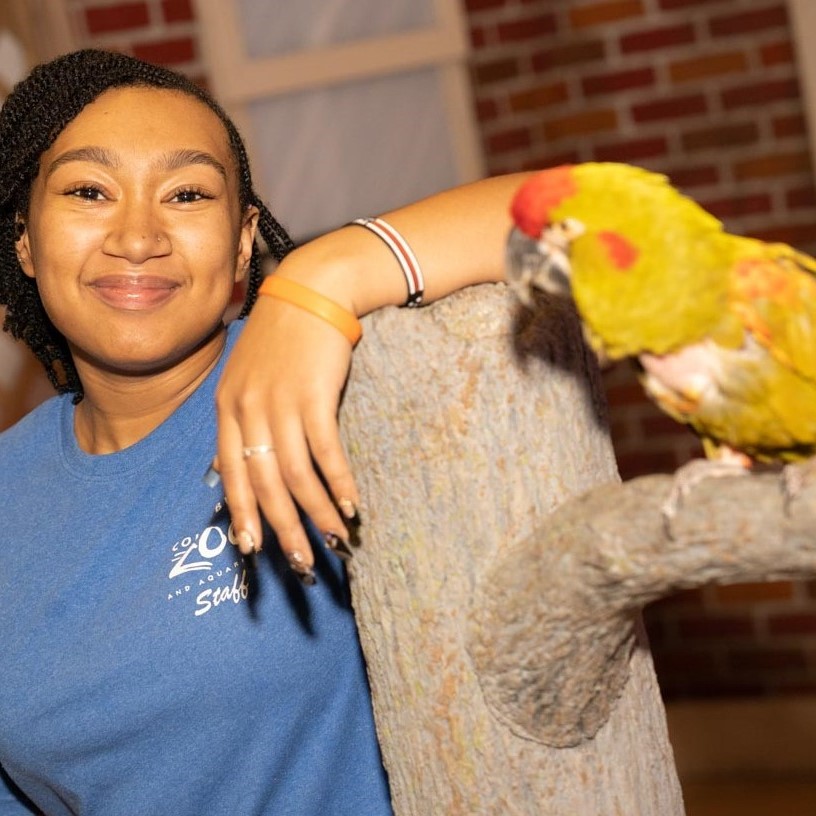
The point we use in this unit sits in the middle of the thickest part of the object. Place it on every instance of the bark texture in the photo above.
(468, 422)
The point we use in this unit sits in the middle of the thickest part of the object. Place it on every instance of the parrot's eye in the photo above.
(572, 228)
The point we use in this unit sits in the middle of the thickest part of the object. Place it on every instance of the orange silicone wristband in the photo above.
(315, 303)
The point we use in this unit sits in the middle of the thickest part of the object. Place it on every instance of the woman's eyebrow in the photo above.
(182, 158)
(91, 153)
(174, 160)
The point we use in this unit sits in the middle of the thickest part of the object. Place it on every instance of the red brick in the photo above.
(722, 136)
(528, 29)
(715, 627)
(686, 597)
(662, 425)
(618, 81)
(655, 38)
(632, 150)
(771, 165)
(792, 624)
(801, 198)
(748, 21)
(685, 177)
(627, 393)
(632, 465)
(481, 5)
(578, 124)
(777, 53)
(754, 592)
(709, 65)
(738, 205)
(760, 93)
(495, 71)
(605, 11)
(766, 659)
(798, 235)
(509, 140)
(685, 661)
(166, 52)
(540, 97)
(671, 5)
(478, 37)
(672, 108)
(487, 110)
(551, 160)
(177, 11)
(571, 53)
(103, 19)
(793, 125)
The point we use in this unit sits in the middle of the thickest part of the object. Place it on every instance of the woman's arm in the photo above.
(282, 383)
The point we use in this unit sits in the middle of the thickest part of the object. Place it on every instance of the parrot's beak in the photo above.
(539, 264)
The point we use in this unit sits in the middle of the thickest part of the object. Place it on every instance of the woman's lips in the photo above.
(134, 291)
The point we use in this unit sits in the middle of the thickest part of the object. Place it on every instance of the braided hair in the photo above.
(34, 114)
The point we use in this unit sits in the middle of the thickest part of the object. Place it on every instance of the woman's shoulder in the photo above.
(34, 428)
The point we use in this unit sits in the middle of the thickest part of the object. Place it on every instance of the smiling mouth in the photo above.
(134, 292)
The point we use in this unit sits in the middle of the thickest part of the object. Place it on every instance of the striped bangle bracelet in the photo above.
(402, 252)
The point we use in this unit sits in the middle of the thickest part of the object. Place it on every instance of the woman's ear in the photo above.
(23, 247)
(246, 240)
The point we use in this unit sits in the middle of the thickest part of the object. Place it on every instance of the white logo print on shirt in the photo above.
(201, 553)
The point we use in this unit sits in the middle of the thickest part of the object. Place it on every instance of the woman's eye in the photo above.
(190, 196)
(86, 193)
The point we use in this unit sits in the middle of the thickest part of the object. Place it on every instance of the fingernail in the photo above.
(337, 545)
(211, 477)
(347, 508)
(304, 572)
(246, 543)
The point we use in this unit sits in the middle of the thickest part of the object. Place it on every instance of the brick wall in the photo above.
(705, 91)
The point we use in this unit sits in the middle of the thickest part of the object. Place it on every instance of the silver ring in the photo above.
(255, 450)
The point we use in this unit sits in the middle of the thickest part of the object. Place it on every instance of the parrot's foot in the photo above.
(795, 478)
(687, 477)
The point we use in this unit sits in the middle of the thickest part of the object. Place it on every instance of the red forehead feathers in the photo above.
(535, 200)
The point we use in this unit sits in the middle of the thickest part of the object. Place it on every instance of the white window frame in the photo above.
(43, 26)
(237, 80)
(802, 15)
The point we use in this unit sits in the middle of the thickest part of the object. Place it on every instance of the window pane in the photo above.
(324, 157)
(274, 28)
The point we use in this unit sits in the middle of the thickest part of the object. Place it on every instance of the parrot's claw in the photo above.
(795, 478)
(687, 477)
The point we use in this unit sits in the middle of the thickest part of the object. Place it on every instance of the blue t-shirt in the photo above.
(147, 668)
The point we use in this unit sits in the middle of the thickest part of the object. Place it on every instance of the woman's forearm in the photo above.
(458, 237)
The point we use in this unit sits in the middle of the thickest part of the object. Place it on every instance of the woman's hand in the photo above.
(281, 387)
(282, 383)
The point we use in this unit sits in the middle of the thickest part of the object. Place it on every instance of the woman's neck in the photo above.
(119, 410)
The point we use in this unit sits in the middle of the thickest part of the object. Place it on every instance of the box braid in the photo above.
(34, 114)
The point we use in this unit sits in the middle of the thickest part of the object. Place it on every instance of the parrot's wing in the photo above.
(774, 293)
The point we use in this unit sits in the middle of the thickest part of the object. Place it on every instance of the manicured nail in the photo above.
(347, 508)
(338, 546)
(304, 572)
(211, 477)
(246, 543)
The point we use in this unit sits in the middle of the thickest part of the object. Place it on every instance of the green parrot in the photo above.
(721, 327)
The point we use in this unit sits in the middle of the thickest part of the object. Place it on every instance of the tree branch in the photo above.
(552, 672)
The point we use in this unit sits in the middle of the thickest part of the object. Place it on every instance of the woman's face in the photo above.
(134, 232)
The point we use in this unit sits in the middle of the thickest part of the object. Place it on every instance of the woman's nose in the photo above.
(137, 235)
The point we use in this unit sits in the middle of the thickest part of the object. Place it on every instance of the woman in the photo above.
(151, 663)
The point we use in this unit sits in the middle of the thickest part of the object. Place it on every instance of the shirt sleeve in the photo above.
(13, 802)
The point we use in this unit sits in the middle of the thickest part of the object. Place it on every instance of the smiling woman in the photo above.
(127, 215)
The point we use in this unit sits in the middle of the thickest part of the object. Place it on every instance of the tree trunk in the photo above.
(467, 423)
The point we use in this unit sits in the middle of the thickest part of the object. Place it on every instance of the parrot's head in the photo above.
(628, 249)
(565, 206)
